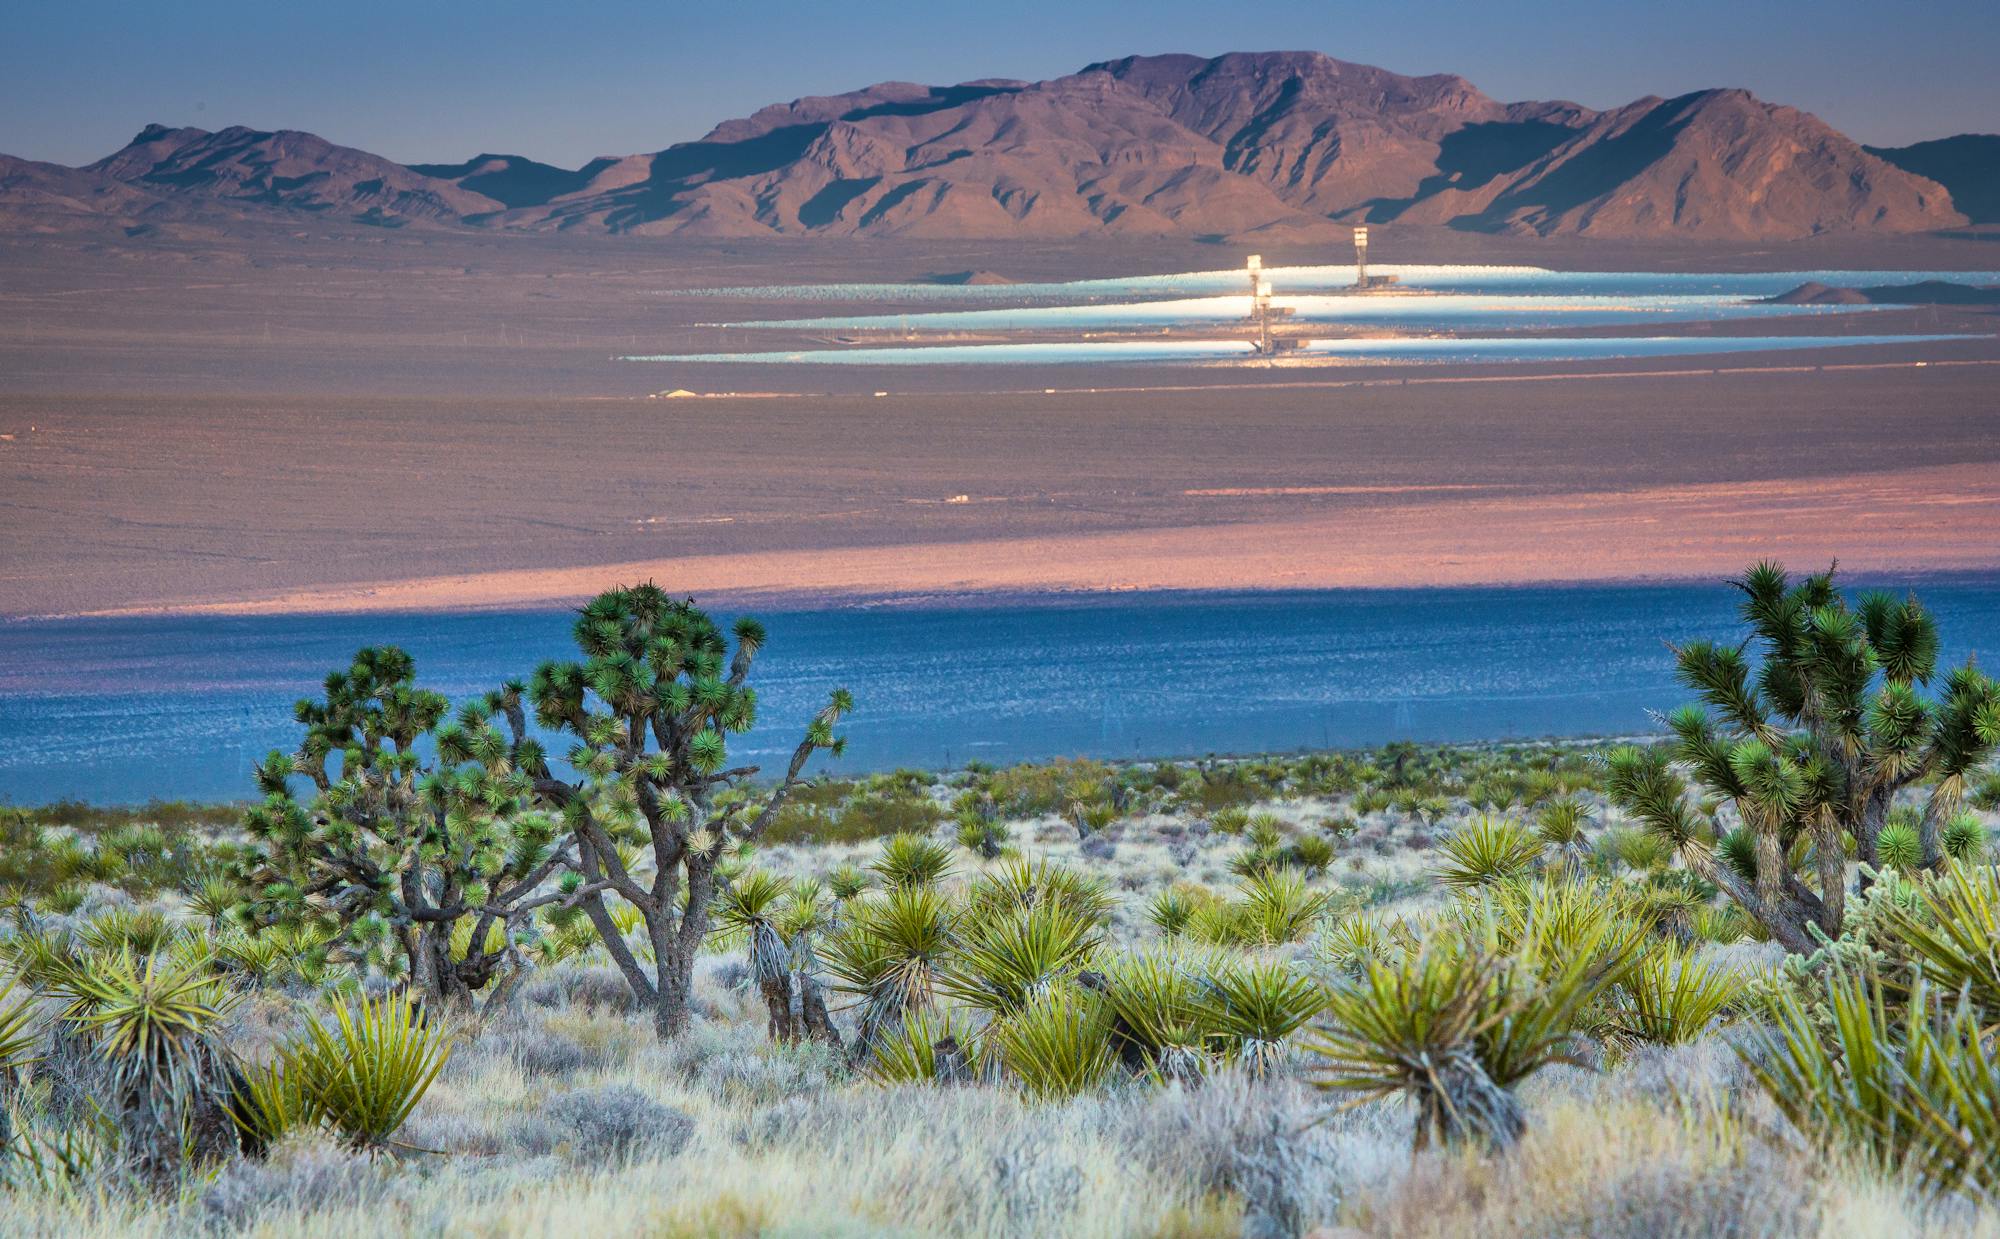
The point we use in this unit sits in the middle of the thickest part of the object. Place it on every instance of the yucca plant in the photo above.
(1412, 1027)
(1020, 885)
(912, 860)
(142, 931)
(156, 1027)
(891, 954)
(1057, 1046)
(1811, 747)
(1455, 1027)
(1159, 1018)
(1254, 1006)
(367, 1069)
(1171, 909)
(213, 897)
(1312, 853)
(20, 1034)
(927, 1047)
(1951, 927)
(1349, 943)
(1900, 847)
(750, 906)
(1561, 826)
(1674, 995)
(846, 881)
(268, 1103)
(1487, 850)
(1278, 906)
(1004, 962)
(1883, 1080)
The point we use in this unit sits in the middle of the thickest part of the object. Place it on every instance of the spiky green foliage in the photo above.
(1349, 944)
(1005, 961)
(20, 1030)
(1561, 825)
(155, 1025)
(1456, 1025)
(892, 953)
(1811, 747)
(142, 931)
(1673, 996)
(1900, 847)
(1965, 838)
(847, 881)
(912, 860)
(1057, 1046)
(1254, 1006)
(648, 711)
(1156, 999)
(1487, 850)
(918, 1046)
(1951, 926)
(1172, 909)
(364, 1071)
(1279, 907)
(1912, 1086)
(393, 851)
(1018, 886)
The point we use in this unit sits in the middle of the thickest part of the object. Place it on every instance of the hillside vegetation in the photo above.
(436, 981)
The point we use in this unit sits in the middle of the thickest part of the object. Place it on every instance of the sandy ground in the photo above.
(400, 421)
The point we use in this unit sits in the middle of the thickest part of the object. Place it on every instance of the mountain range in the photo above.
(1278, 144)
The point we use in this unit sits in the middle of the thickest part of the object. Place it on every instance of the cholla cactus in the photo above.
(1811, 748)
(650, 708)
(394, 851)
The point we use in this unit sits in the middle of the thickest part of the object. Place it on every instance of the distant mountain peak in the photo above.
(1296, 143)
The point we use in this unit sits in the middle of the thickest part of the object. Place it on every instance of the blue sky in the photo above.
(425, 80)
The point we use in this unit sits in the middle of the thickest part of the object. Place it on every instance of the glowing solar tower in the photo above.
(1361, 258)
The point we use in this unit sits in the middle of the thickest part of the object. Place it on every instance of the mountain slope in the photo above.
(1248, 144)
(1967, 165)
(239, 167)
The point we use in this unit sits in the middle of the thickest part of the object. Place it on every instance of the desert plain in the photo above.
(334, 417)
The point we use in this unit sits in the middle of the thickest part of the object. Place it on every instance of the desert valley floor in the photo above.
(374, 419)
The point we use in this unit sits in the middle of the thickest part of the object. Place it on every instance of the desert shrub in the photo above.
(361, 1074)
(1487, 850)
(1456, 1025)
(1672, 996)
(304, 1176)
(611, 1124)
(912, 860)
(1058, 1045)
(1910, 1087)
(1033, 789)
(1003, 961)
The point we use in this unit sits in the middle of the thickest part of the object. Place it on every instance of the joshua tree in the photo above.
(1811, 747)
(649, 708)
(400, 852)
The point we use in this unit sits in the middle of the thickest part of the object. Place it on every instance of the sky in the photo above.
(427, 80)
